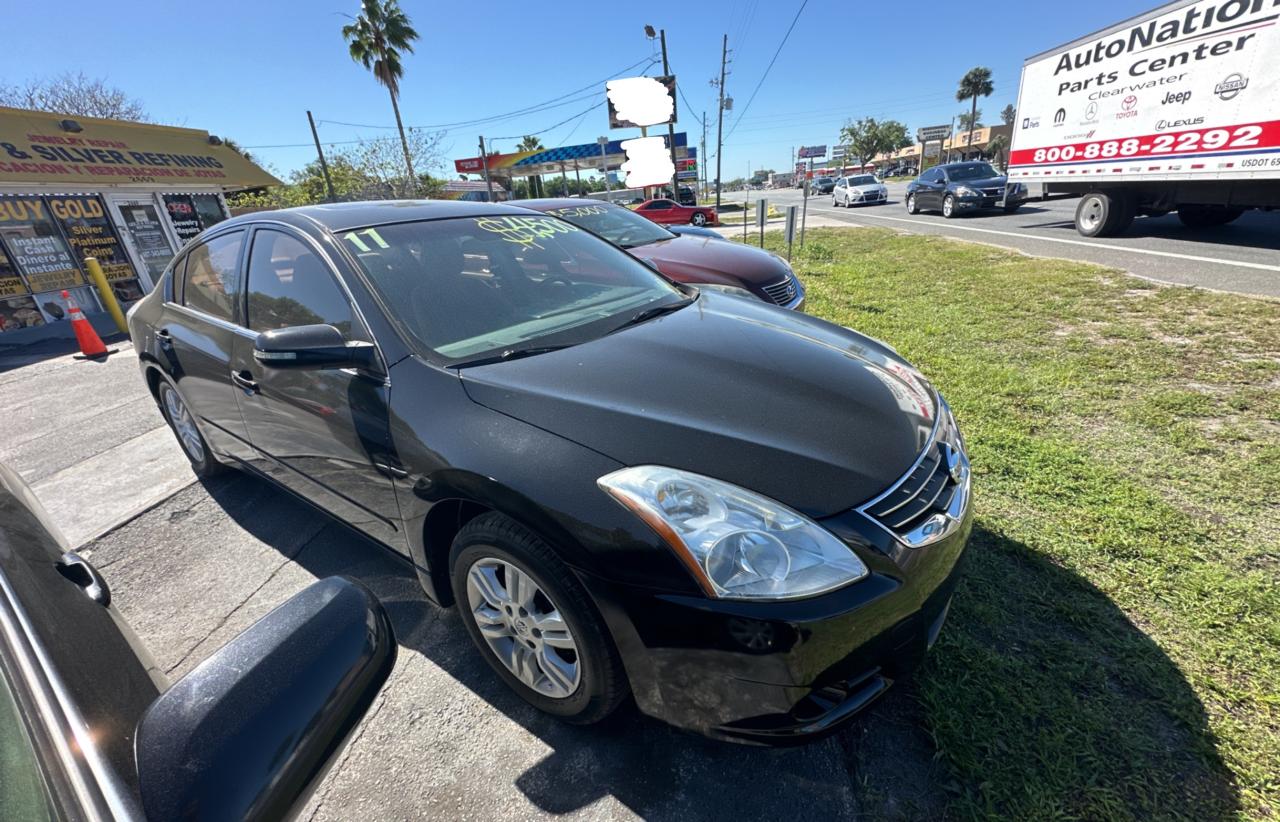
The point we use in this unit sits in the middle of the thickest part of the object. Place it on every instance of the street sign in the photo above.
(931, 134)
(838, 151)
(811, 151)
(792, 211)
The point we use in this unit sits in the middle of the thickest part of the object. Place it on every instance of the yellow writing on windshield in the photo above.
(526, 231)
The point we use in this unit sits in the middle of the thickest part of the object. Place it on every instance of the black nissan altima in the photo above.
(747, 518)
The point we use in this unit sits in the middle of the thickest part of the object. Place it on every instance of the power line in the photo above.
(769, 68)
(550, 128)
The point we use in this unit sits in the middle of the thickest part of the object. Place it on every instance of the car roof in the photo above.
(549, 203)
(342, 216)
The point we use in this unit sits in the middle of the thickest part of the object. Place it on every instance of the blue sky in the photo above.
(250, 70)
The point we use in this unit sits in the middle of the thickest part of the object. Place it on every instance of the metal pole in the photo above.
(724, 53)
(324, 167)
(671, 128)
(484, 158)
(953, 131)
(804, 214)
(564, 179)
(746, 207)
(702, 161)
(576, 176)
(604, 165)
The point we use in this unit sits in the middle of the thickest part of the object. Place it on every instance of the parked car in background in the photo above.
(859, 189)
(698, 260)
(688, 196)
(671, 212)
(91, 729)
(747, 518)
(823, 185)
(953, 188)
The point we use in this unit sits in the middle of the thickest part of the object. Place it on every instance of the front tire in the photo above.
(1105, 213)
(948, 206)
(533, 622)
(912, 206)
(183, 424)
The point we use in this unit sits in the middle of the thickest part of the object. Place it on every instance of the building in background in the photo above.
(129, 194)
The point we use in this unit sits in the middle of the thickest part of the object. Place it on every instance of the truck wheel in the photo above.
(1102, 214)
(1206, 216)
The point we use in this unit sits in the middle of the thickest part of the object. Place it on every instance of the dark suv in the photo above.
(956, 187)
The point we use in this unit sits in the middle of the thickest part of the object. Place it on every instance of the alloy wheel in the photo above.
(523, 627)
(184, 425)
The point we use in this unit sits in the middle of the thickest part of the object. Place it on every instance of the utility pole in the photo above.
(671, 128)
(324, 167)
(484, 158)
(604, 165)
(724, 54)
(702, 161)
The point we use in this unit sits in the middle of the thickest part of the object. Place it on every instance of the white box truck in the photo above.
(1177, 110)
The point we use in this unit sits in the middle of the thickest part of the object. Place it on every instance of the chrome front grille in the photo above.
(782, 292)
(930, 501)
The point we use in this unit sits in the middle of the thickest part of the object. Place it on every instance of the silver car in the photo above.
(859, 189)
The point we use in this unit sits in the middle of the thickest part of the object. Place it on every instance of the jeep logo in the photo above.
(1176, 97)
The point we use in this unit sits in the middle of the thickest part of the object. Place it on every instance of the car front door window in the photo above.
(290, 285)
(212, 276)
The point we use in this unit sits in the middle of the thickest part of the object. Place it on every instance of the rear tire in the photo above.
(699, 219)
(183, 425)
(491, 545)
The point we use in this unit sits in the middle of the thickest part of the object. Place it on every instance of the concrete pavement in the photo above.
(1243, 257)
(87, 437)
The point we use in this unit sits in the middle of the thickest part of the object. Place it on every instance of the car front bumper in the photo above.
(786, 672)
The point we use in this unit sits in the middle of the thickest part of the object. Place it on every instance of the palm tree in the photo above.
(375, 40)
(531, 143)
(976, 83)
(996, 149)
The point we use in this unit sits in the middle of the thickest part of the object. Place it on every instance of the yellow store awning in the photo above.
(35, 148)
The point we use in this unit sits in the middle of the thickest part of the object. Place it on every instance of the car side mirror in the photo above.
(250, 732)
(312, 347)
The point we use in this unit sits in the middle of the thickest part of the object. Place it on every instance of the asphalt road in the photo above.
(1243, 257)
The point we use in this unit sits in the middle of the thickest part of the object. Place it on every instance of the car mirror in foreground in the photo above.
(250, 732)
(312, 347)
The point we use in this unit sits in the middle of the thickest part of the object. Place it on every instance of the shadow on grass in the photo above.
(1043, 699)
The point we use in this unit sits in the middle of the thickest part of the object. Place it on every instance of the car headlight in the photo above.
(736, 543)
(965, 191)
(727, 289)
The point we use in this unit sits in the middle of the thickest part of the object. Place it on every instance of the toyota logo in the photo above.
(1129, 103)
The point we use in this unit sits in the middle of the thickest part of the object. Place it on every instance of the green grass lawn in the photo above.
(1113, 650)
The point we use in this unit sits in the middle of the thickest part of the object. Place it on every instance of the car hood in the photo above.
(813, 415)
(704, 260)
(869, 187)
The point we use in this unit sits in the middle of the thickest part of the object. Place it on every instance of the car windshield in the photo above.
(620, 226)
(863, 180)
(473, 286)
(971, 171)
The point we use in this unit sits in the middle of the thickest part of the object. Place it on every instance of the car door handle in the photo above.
(164, 337)
(389, 470)
(78, 570)
(245, 380)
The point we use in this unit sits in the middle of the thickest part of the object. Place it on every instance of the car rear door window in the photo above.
(213, 276)
(289, 284)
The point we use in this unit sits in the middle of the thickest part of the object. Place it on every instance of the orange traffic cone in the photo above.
(91, 346)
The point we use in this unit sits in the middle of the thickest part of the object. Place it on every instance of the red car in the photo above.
(703, 261)
(669, 212)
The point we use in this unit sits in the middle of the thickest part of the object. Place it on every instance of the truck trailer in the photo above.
(1175, 110)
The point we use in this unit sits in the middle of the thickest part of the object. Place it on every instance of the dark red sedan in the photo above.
(669, 212)
(687, 259)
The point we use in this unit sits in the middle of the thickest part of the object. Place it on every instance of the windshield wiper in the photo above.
(653, 311)
(508, 355)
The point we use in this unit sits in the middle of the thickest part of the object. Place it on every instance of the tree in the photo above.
(375, 40)
(975, 83)
(531, 143)
(1009, 115)
(996, 149)
(73, 94)
(965, 122)
(868, 137)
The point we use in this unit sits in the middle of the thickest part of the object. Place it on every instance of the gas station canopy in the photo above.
(585, 156)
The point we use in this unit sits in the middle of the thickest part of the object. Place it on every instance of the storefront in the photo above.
(128, 194)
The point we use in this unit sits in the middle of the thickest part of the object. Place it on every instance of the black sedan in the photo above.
(748, 518)
(954, 188)
(90, 729)
(823, 185)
